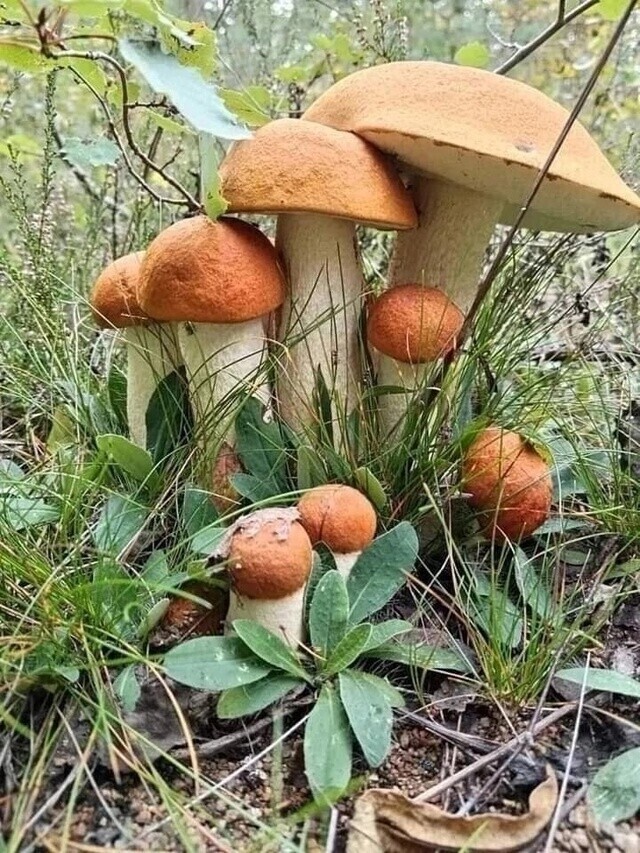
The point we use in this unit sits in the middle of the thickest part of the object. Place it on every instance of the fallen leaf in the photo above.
(387, 821)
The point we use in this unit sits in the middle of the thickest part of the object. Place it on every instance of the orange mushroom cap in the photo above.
(340, 516)
(202, 271)
(414, 324)
(113, 299)
(509, 483)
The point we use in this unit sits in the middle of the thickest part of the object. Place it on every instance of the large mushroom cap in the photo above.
(113, 299)
(202, 271)
(414, 324)
(341, 517)
(291, 166)
(486, 132)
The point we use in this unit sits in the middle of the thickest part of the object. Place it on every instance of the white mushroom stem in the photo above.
(392, 407)
(447, 249)
(345, 563)
(152, 354)
(320, 316)
(281, 616)
(224, 365)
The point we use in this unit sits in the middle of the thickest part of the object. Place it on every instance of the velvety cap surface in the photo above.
(113, 300)
(291, 166)
(341, 517)
(210, 272)
(270, 561)
(413, 324)
(484, 131)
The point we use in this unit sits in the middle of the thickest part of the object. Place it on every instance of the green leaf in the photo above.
(18, 145)
(153, 617)
(168, 124)
(310, 469)
(198, 511)
(327, 748)
(22, 57)
(127, 455)
(610, 10)
(119, 522)
(168, 418)
(214, 663)
(381, 570)
(371, 486)
(92, 8)
(268, 647)
(385, 631)
(245, 700)
(602, 679)
(252, 105)
(323, 562)
(329, 613)
(532, 587)
(348, 649)
(207, 540)
(126, 688)
(252, 488)
(421, 656)
(22, 513)
(614, 793)
(197, 100)
(89, 153)
(260, 446)
(214, 202)
(494, 612)
(474, 53)
(369, 712)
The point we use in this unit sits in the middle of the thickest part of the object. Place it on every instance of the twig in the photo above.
(441, 787)
(563, 18)
(223, 12)
(461, 739)
(212, 747)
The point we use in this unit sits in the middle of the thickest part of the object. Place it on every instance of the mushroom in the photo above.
(152, 348)
(508, 482)
(269, 557)
(341, 517)
(473, 143)
(219, 281)
(320, 182)
(411, 325)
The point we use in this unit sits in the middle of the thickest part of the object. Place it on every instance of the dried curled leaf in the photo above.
(388, 821)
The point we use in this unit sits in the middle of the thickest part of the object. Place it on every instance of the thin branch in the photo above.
(223, 12)
(562, 20)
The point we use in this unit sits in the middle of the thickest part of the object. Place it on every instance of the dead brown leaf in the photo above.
(386, 821)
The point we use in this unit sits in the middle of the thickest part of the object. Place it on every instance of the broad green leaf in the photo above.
(153, 616)
(614, 793)
(207, 540)
(89, 72)
(92, 8)
(369, 712)
(474, 53)
(22, 57)
(119, 522)
(260, 445)
(532, 587)
(421, 656)
(252, 105)
(602, 679)
(127, 688)
(18, 145)
(371, 486)
(10, 471)
(252, 488)
(381, 570)
(89, 153)
(198, 511)
(168, 418)
(214, 663)
(214, 202)
(385, 631)
(168, 124)
(327, 748)
(133, 459)
(610, 10)
(348, 649)
(249, 699)
(197, 100)
(310, 469)
(329, 613)
(21, 513)
(323, 562)
(268, 647)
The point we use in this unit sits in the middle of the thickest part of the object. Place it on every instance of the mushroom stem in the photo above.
(320, 316)
(392, 408)
(281, 616)
(152, 354)
(223, 364)
(345, 563)
(447, 249)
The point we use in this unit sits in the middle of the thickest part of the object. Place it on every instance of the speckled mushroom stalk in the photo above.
(410, 326)
(269, 557)
(218, 281)
(342, 518)
(319, 182)
(152, 348)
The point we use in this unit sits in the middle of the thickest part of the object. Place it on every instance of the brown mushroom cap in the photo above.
(341, 517)
(270, 561)
(414, 324)
(113, 299)
(210, 272)
(291, 166)
(509, 483)
(487, 132)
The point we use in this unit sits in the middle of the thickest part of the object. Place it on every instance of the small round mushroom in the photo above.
(269, 558)
(473, 143)
(152, 348)
(319, 182)
(219, 281)
(508, 482)
(411, 325)
(341, 517)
